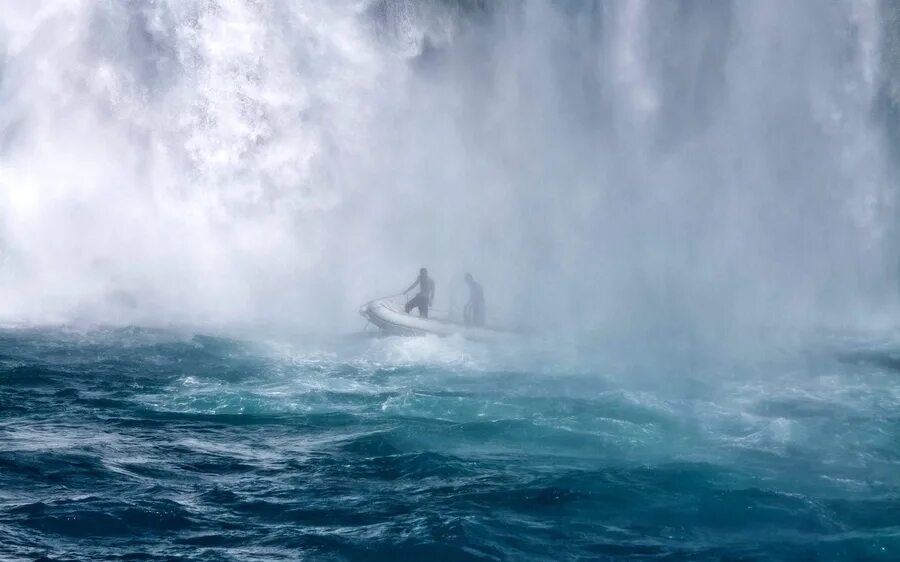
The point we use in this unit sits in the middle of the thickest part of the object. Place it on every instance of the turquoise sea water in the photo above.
(135, 444)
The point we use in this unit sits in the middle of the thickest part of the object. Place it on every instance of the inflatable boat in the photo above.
(389, 315)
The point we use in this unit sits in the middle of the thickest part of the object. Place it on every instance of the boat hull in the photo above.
(391, 318)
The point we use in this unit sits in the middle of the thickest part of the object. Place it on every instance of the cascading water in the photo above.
(174, 160)
(226, 161)
(691, 204)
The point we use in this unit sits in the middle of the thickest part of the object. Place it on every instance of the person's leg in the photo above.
(413, 303)
(423, 308)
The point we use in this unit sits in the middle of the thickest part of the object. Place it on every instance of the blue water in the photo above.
(134, 444)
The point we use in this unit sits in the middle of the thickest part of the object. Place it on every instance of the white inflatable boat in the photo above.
(389, 316)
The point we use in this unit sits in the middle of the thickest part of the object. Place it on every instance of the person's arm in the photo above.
(411, 287)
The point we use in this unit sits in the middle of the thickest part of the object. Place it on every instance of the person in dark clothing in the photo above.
(474, 311)
(423, 300)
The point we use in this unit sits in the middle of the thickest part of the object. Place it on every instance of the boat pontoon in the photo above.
(390, 316)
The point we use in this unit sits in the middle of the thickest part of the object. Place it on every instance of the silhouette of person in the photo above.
(423, 300)
(473, 314)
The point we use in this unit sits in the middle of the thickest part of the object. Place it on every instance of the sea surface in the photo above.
(146, 444)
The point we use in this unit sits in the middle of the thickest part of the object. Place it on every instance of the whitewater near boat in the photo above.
(389, 316)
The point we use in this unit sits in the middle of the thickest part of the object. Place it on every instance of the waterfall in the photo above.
(595, 164)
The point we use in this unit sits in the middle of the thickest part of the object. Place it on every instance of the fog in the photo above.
(691, 166)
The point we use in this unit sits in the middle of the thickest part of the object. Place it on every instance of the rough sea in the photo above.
(139, 444)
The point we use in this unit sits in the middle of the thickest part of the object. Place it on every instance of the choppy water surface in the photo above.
(140, 444)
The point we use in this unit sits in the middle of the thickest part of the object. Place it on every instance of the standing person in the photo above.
(423, 300)
(474, 311)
